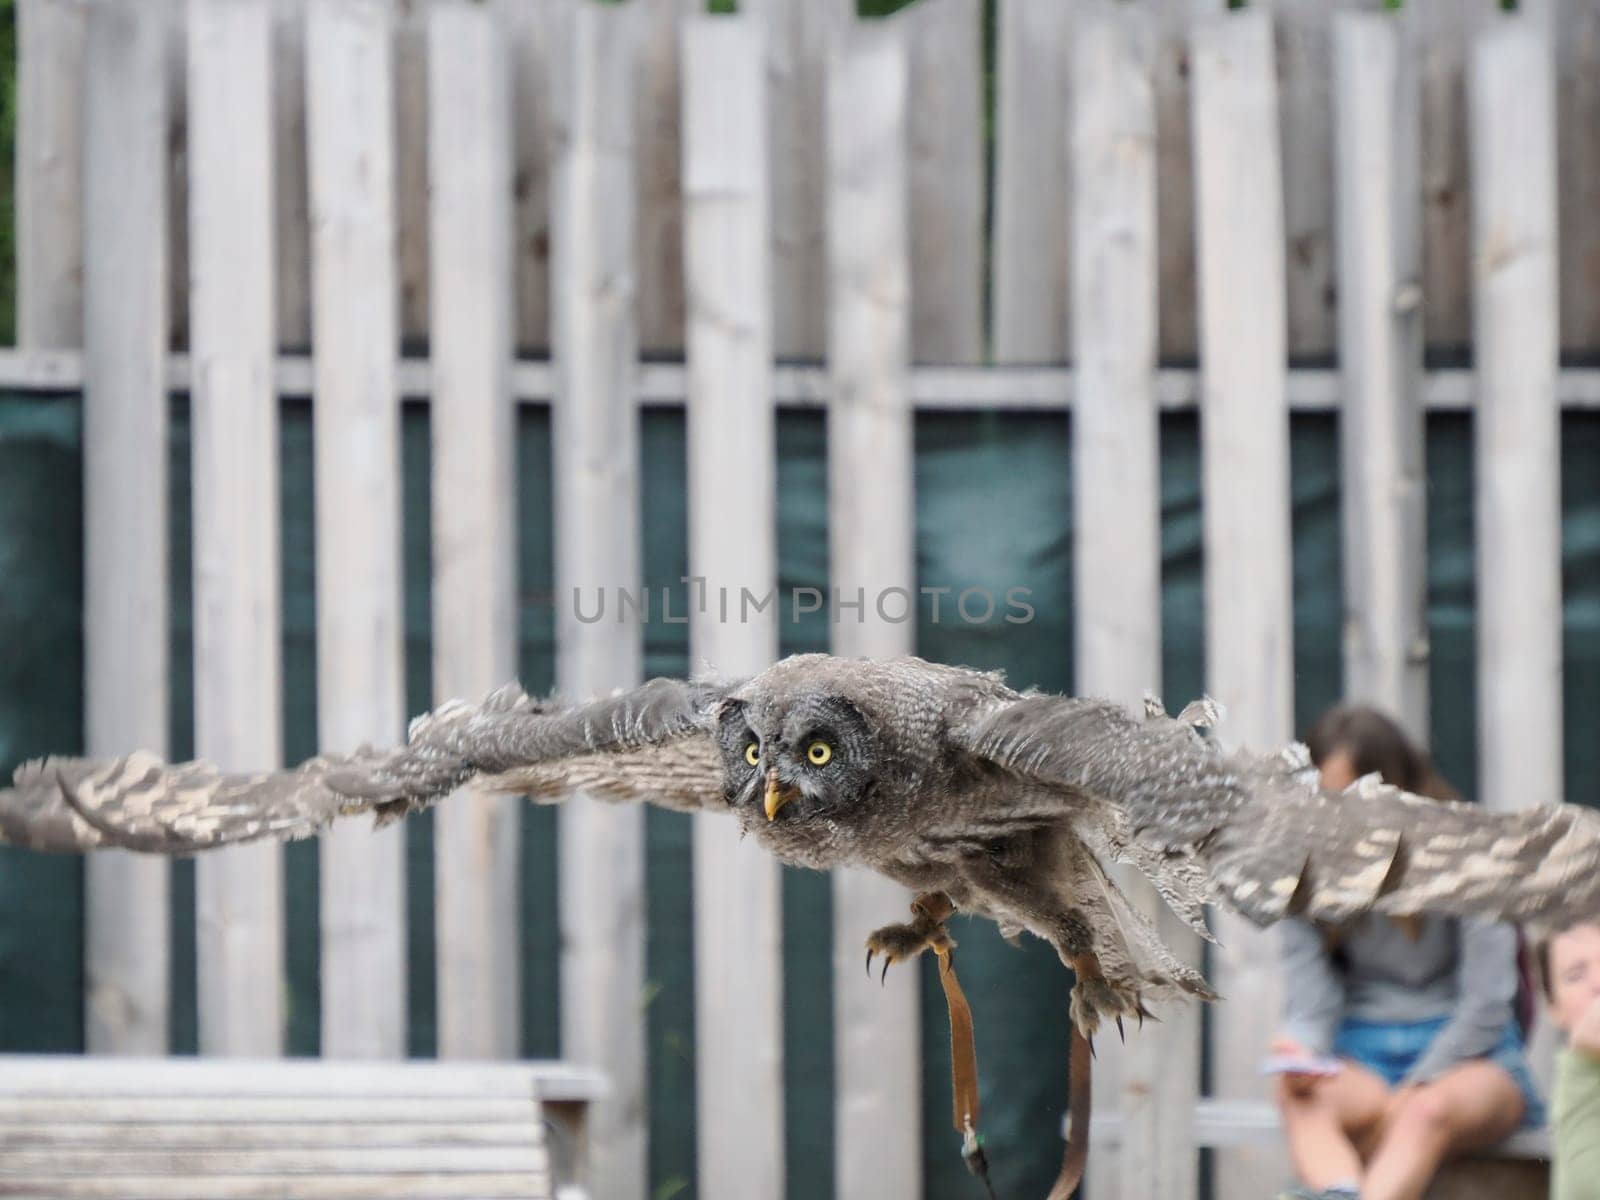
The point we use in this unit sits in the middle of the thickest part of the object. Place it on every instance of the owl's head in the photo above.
(796, 757)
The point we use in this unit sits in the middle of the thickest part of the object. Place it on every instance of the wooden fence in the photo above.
(249, 199)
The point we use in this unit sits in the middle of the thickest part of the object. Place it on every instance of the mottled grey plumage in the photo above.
(942, 778)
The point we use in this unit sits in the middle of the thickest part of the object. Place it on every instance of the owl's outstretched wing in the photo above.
(1264, 835)
(652, 743)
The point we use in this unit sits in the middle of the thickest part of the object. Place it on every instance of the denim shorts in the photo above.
(1390, 1049)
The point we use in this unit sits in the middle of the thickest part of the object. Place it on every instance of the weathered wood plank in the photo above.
(732, 433)
(1032, 201)
(356, 436)
(872, 550)
(596, 449)
(214, 1135)
(1440, 32)
(945, 162)
(178, 266)
(531, 29)
(377, 1186)
(66, 1162)
(1577, 43)
(411, 128)
(292, 214)
(1517, 431)
(1303, 37)
(658, 212)
(1383, 488)
(49, 173)
(1175, 192)
(38, 1076)
(237, 588)
(125, 496)
(1152, 1081)
(1245, 473)
(800, 36)
(474, 501)
(140, 1111)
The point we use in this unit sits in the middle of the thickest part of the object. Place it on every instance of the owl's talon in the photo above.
(1096, 998)
(1121, 1034)
(898, 943)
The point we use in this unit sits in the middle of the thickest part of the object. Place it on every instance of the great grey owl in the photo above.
(1011, 804)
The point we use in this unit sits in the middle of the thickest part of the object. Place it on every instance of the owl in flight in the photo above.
(1010, 805)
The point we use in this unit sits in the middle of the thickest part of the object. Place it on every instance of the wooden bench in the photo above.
(221, 1129)
(1517, 1168)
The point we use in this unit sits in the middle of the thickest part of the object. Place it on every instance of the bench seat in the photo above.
(225, 1129)
(1514, 1169)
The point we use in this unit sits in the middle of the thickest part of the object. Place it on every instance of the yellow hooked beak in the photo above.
(778, 795)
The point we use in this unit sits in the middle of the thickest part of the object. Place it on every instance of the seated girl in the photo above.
(1405, 1026)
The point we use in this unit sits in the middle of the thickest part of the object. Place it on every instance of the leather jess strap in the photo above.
(963, 1048)
(963, 1072)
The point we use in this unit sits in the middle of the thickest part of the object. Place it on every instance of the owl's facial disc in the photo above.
(795, 757)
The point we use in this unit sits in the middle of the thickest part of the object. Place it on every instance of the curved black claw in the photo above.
(887, 962)
(1122, 1036)
(869, 962)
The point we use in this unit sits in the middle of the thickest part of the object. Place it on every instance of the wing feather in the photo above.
(650, 743)
(1272, 842)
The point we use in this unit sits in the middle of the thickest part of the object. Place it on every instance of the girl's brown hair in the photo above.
(1376, 744)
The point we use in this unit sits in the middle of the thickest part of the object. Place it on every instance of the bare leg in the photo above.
(1470, 1106)
(1327, 1120)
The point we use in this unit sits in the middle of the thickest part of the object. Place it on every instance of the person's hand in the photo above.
(1586, 1033)
(1294, 1082)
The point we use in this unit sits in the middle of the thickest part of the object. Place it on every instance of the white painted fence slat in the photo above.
(1152, 1081)
(1245, 474)
(1383, 488)
(595, 439)
(356, 437)
(237, 585)
(946, 179)
(732, 434)
(1032, 202)
(1517, 431)
(125, 496)
(474, 502)
(872, 536)
(49, 173)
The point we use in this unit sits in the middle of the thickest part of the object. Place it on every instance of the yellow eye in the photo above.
(818, 754)
(752, 754)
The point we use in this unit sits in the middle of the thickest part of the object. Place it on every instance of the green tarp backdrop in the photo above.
(993, 511)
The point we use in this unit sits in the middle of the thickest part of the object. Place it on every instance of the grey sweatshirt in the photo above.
(1461, 969)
